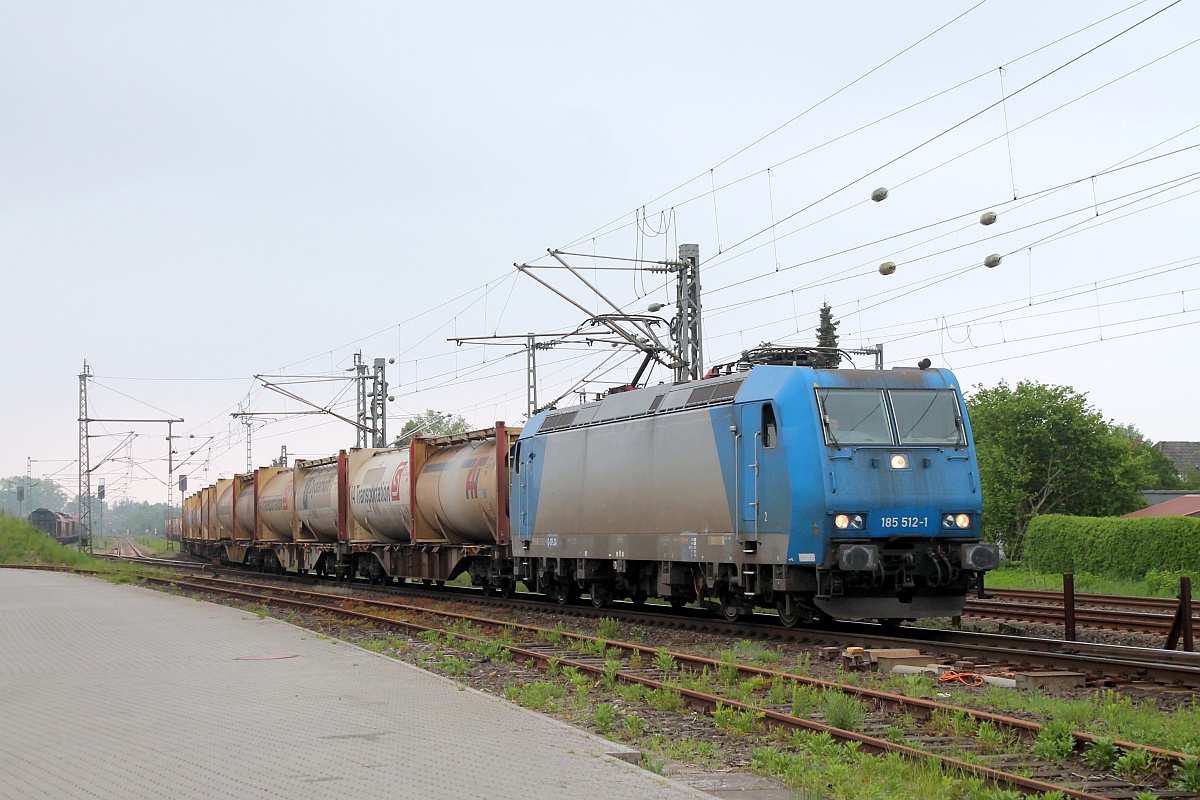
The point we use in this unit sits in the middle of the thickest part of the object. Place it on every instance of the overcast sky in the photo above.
(195, 193)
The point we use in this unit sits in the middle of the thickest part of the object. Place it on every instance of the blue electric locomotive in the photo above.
(846, 493)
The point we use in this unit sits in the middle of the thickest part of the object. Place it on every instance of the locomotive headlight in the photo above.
(849, 522)
(899, 461)
(963, 520)
(960, 521)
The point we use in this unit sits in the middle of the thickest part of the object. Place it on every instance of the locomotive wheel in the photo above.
(561, 593)
(600, 596)
(729, 611)
(789, 617)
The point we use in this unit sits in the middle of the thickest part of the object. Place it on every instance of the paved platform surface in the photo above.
(111, 691)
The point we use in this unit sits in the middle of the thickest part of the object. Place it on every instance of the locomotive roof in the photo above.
(666, 398)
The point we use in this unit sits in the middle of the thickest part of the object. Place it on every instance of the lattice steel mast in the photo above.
(83, 495)
(685, 328)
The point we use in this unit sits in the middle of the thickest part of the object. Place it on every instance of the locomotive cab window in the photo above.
(854, 417)
(928, 417)
(770, 433)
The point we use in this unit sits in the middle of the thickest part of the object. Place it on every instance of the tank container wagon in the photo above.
(818, 492)
(429, 511)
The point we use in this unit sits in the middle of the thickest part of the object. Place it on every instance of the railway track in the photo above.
(704, 684)
(1051, 597)
(128, 549)
(1151, 615)
(1113, 612)
(1099, 662)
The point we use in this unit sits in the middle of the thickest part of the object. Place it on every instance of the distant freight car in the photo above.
(59, 526)
(819, 492)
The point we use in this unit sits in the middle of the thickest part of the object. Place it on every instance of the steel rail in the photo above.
(1137, 621)
(1055, 597)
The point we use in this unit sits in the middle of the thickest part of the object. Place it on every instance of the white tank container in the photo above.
(275, 505)
(244, 505)
(225, 506)
(316, 502)
(206, 528)
(456, 492)
(381, 495)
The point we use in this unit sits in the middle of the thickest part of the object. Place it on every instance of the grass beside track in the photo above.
(22, 544)
(1156, 584)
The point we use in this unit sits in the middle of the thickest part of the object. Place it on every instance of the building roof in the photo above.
(1186, 506)
(1155, 496)
(1186, 455)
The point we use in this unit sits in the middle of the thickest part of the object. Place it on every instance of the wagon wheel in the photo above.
(507, 587)
(638, 598)
(678, 602)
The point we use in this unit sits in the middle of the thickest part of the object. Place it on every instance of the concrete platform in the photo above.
(111, 691)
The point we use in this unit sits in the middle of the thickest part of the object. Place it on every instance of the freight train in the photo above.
(63, 528)
(819, 492)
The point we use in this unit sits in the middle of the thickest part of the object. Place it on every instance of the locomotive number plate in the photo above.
(909, 523)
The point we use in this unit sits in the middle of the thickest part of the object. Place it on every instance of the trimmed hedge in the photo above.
(1111, 546)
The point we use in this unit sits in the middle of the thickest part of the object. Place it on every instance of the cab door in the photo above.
(763, 495)
(522, 466)
(749, 447)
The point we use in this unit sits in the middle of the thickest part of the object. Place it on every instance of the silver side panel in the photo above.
(638, 477)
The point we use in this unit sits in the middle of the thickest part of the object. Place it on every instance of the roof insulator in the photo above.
(988, 218)
(879, 194)
(992, 261)
(887, 268)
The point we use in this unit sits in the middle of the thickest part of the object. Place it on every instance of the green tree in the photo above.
(1191, 478)
(43, 493)
(134, 518)
(1044, 450)
(432, 423)
(827, 333)
(1160, 470)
